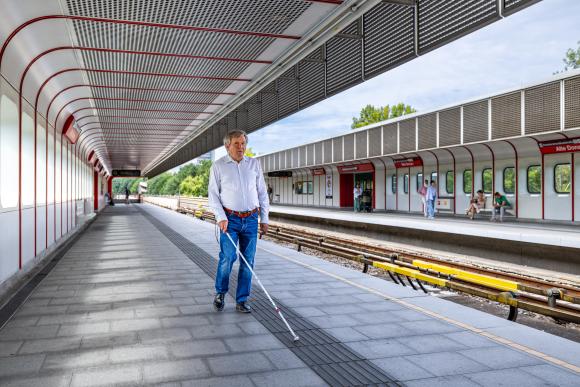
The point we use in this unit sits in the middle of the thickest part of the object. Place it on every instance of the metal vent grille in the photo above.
(295, 155)
(388, 32)
(312, 88)
(475, 122)
(427, 131)
(441, 21)
(572, 103)
(318, 153)
(269, 107)
(506, 116)
(343, 60)
(302, 156)
(450, 127)
(328, 151)
(361, 145)
(231, 121)
(287, 96)
(348, 147)
(375, 142)
(407, 133)
(511, 6)
(310, 154)
(542, 108)
(337, 149)
(254, 115)
(390, 139)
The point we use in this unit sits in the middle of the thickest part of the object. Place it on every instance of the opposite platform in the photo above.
(130, 303)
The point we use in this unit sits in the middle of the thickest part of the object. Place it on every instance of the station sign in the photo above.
(70, 131)
(126, 173)
(356, 168)
(565, 145)
(318, 171)
(280, 174)
(408, 163)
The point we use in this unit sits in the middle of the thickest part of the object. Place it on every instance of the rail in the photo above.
(559, 301)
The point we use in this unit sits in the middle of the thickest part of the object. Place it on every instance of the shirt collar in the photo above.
(230, 160)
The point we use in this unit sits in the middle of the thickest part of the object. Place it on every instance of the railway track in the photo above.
(414, 269)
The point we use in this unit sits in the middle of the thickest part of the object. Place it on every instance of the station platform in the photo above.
(542, 245)
(130, 303)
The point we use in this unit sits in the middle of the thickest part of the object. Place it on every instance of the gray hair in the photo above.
(234, 134)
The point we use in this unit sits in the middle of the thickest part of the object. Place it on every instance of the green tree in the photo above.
(134, 187)
(371, 114)
(249, 152)
(197, 185)
(171, 186)
(155, 185)
(572, 58)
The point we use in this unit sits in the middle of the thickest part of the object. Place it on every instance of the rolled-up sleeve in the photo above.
(262, 194)
(213, 193)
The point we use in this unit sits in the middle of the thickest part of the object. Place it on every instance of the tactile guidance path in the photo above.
(337, 364)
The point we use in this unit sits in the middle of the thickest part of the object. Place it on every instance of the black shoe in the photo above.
(242, 307)
(219, 302)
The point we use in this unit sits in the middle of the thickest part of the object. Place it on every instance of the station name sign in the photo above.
(126, 173)
(355, 168)
(566, 145)
(280, 174)
(408, 163)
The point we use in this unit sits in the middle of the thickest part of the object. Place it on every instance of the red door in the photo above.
(346, 189)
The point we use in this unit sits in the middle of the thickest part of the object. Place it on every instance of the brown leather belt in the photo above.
(241, 214)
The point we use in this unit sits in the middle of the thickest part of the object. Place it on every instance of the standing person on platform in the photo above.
(423, 193)
(237, 194)
(357, 192)
(270, 193)
(431, 198)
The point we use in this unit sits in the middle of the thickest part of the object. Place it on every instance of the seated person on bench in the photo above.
(500, 205)
(475, 205)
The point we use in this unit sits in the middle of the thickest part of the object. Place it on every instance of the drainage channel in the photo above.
(333, 361)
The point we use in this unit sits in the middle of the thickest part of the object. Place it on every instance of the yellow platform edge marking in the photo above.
(491, 336)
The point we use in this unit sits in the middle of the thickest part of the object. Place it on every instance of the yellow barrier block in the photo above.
(411, 273)
(479, 279)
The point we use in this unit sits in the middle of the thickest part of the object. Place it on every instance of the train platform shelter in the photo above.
(130, 303)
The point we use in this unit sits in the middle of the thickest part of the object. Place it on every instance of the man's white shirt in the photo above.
(238, 187)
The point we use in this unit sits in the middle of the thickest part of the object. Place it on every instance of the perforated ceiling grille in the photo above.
(450, 127)
(375, 142)
(388, 31)
(444, 20)
(427, 131)
(506, 116)
(407, 135)
(476, 122)
(390, 139)
(572, 103)
(312, 82)
(264, 15)
(542, 108)
(515, 5)
(288, 93)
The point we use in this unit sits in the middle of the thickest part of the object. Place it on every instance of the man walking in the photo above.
(237, 194)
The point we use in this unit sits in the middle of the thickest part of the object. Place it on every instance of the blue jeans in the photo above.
(430, 208)
(244, 231)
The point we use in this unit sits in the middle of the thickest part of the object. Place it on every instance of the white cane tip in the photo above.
(296, 338)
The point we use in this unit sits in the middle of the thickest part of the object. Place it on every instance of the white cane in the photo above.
(296, 338)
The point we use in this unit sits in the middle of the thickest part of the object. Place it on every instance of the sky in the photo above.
(523, 48)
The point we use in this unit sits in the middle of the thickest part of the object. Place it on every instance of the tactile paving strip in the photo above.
(334, 362)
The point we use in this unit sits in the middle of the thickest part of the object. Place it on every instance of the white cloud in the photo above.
(525, 47)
